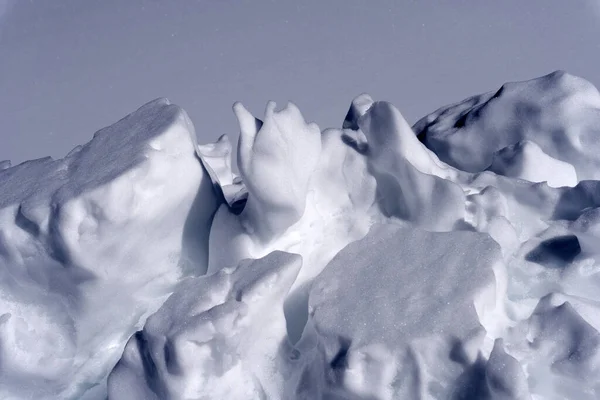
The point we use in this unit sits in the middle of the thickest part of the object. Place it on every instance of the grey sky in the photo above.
(71, 67)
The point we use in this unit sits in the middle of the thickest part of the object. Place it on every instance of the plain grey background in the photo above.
(71, 67)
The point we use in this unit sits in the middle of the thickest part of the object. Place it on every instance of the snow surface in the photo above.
(91, 245)
(457, 259)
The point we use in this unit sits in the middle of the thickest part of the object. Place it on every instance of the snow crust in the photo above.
(457, 259)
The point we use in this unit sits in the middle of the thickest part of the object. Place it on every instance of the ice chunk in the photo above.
(91, 244)
(216, 337)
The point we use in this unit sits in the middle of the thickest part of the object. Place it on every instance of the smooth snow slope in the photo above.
(358, 263)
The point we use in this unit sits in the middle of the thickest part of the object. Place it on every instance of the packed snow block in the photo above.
(558, 112)
(217, 337)
(93, 243)
(5, 164)
(397, 314)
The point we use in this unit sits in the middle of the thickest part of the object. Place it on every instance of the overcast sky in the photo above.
(71, 67)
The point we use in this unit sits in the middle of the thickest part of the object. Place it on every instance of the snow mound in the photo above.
(558, 112)
(454, 260)
(421, 339)
(91, 244)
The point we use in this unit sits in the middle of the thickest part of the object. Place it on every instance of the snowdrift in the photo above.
(455, 259)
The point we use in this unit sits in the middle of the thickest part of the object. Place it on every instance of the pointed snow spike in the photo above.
(270, 109)
(248, 125)
(359, 106)
(293, 108)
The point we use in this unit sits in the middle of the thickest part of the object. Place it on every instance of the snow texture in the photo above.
(91, 244)
(457, 259)
(209, 334)
(421, 339)
(558, 112)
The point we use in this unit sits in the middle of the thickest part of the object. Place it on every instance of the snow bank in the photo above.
(91, 244)
(456, 259)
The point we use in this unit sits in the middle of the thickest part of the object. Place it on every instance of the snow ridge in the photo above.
(454, 259)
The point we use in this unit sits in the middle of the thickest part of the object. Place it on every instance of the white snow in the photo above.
(525, 160)
(558, 112)
(92, 244)
(455, 259)
(414, 334)
(217, 335)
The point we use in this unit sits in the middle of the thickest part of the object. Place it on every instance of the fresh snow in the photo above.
(454, 259)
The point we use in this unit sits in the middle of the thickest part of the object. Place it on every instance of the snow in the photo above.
(270, 154)
(525, 160)
(210, 333)
(454, 259)
(558, 112)
(92, 244)
(425, 329)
